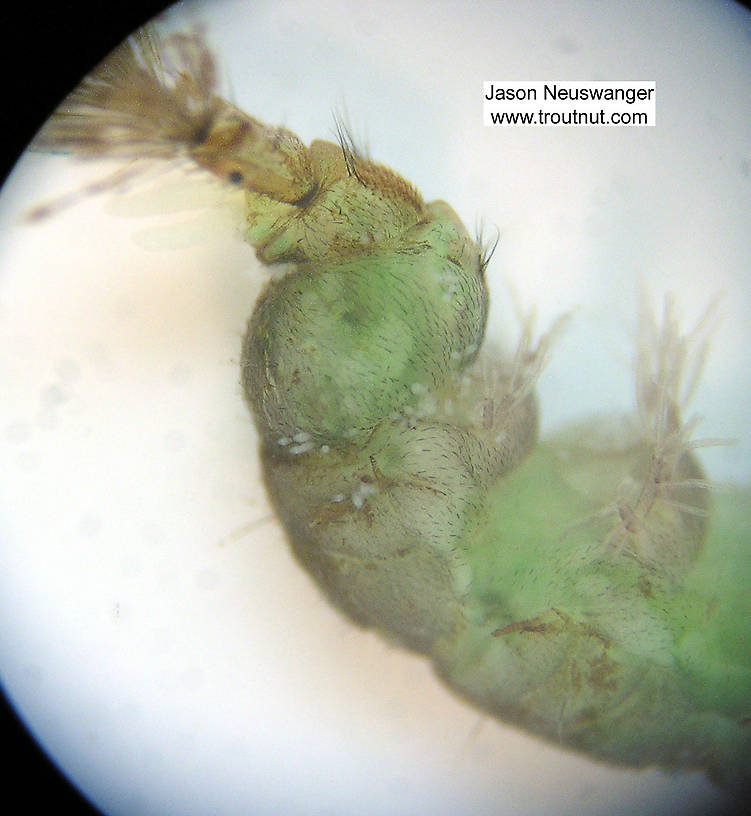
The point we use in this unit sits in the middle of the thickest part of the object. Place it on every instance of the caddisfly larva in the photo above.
(564, 584)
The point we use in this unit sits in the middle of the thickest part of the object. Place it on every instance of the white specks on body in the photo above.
(361, 493)
(296, 450)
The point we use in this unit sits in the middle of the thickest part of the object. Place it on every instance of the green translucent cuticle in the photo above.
(586, 587)
(560, 585)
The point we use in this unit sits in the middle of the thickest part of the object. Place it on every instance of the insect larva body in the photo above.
(567, 586)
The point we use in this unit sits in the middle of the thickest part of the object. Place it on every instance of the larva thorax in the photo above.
(354, 365)
(336, 347)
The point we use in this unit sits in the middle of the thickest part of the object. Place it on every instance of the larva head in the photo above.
(248, 154)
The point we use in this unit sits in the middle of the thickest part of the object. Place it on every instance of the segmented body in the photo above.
(568, 586)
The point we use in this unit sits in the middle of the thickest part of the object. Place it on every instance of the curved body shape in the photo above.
(586, 587)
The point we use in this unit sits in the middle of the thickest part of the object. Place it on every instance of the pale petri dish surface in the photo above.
(158, 638)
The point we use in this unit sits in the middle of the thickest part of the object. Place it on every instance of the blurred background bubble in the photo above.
(157, 638)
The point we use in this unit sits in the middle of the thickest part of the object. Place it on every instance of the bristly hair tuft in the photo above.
(352, 156)
(487, 248)
(150, 98)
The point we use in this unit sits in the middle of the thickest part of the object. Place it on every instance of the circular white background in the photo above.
(157, 637)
